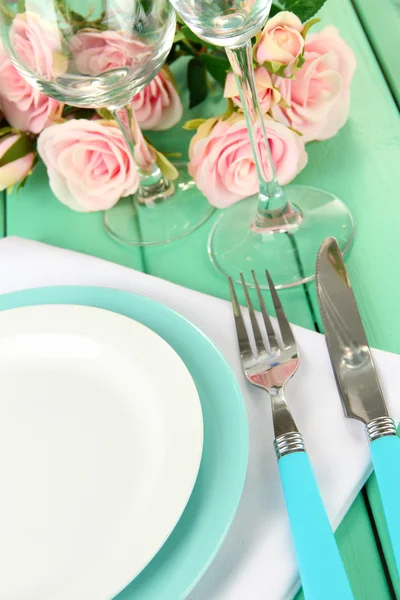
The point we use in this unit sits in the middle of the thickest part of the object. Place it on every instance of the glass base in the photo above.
(290, 256)
(163, 221)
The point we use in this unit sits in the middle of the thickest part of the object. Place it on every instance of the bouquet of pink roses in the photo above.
(303, 81)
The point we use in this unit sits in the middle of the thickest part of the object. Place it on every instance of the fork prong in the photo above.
(254, 323)
(267, 321)
(243, 338)
(286, 330)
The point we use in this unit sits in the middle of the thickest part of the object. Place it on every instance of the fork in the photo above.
(322, 573)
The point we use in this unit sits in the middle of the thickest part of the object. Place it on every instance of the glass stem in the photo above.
(153, 185)
(273, 209)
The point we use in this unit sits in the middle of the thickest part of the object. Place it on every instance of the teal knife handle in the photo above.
(322, 573)
(385, 453)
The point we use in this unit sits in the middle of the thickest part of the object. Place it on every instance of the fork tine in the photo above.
(243, 338)
(267, 321)
(286, 331)
(254, 323)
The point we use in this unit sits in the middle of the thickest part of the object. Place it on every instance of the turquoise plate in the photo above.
(184, 558)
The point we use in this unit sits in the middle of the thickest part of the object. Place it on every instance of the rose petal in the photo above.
(318, 96)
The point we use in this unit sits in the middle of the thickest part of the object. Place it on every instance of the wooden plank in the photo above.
(381, 22)
(35, 213)
(360, 165)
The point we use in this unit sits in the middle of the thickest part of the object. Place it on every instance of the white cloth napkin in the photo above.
(257, 560)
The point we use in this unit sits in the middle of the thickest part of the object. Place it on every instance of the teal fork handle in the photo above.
(385, 452)
(322, 573)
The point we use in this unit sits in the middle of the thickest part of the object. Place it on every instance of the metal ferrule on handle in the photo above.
(380, 427)
(288, 443)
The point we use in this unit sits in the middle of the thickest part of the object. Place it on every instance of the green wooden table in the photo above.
(360, 165)
(381, 22)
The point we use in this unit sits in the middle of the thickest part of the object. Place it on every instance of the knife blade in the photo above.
(350, 355)
(357, 380)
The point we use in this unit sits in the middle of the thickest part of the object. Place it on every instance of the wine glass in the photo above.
(279, 229)
(99, 54)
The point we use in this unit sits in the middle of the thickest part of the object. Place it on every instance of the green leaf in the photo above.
(308, 25)
(197, 82)
(166, 167)
(300, 61)
(275, 67)
(20, 185)
(275, 9)
(192, 37)
(300, 134)
(6, 130)
(79, 113)
(70, 15)
(229, 111)
(83, 113)
(21, 6)
(193, 124)
(304, 9)
(62, 7)
(216, 66)
(178, 36)
(76, 16)
(21, 147)
(105, 114)
(7, 15)
(282, 102)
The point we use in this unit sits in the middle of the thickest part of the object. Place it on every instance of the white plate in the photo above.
(101, 438)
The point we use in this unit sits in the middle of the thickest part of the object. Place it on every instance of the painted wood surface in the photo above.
(381, 21)
(360, 165)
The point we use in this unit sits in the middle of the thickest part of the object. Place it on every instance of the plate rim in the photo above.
(34, 296)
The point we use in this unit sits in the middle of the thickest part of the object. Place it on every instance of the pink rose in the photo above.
(267, 94)
(37, 44)
(15, 171)
(319, 95)
(281, 42)
(89, 164)
(95, 52)
(222, 163)
(24, 107)
(158, 105)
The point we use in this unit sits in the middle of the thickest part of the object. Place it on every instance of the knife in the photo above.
(357, 379)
